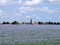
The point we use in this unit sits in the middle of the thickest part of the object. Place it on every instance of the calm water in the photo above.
(29, 33)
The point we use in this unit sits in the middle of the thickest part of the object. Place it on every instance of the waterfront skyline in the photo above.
(23, 10)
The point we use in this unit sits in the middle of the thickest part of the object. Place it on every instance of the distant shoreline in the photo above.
(30, 23)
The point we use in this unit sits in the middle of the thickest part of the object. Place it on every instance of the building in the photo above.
(30, 21)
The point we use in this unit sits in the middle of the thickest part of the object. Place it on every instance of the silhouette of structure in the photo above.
(30, 21)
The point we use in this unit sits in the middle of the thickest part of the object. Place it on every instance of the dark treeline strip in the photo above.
(40, 23)
(50, 23)
(15, 22)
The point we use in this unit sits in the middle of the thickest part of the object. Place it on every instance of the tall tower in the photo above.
(30, 21)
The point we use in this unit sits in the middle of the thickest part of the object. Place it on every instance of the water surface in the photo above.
(29, 33)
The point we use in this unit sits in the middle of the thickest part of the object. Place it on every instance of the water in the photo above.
(29, 33)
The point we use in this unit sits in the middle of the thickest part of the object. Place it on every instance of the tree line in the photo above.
(50, 23)
(15, 22)
(40, 23)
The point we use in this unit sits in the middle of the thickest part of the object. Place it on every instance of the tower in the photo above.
(30, 21)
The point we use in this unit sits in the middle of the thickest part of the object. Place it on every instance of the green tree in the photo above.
(15, 22)
(4, 23)
(40, 23)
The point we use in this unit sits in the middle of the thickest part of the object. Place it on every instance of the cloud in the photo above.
(9, 2)
(19, 1)
(26, 9)
(32, 2)
(2, 1)
(42, 9)
(36, 2)
(48, 10)
(27, 2)
(54, 1)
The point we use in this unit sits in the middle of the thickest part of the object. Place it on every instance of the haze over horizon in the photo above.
(23, 10)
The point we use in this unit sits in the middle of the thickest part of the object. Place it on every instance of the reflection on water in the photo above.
(29, 33)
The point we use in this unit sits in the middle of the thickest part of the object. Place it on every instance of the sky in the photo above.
(24, 10)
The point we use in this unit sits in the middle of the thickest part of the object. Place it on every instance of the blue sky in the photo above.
(23, 10)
